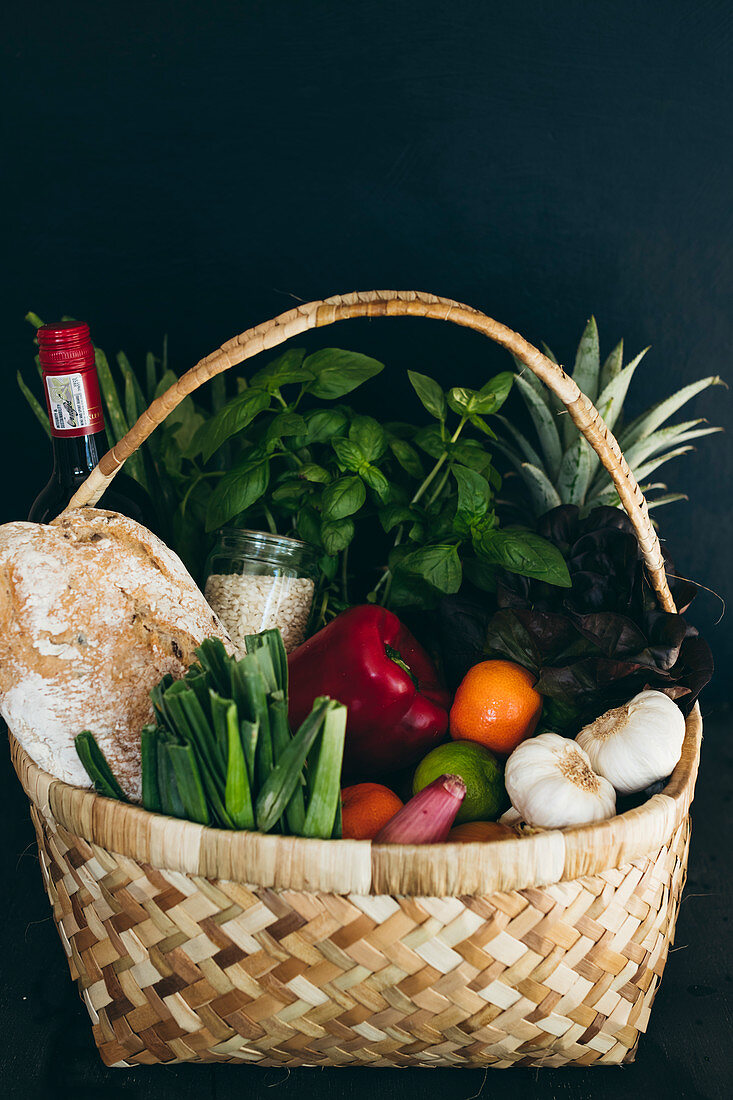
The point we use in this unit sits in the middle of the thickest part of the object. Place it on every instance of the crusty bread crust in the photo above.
(94, 609)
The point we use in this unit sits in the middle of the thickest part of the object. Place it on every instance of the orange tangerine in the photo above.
(481, 830)
(366, 808)
(496, 704)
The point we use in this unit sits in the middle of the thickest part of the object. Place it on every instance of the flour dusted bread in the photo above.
(94, 609)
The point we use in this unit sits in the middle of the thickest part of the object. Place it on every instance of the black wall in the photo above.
(193, 168)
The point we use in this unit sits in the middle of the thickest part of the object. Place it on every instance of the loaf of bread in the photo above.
(94, 609)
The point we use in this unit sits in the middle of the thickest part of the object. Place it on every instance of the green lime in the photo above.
(478, 768)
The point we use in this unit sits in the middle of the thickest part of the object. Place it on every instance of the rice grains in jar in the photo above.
(256, 581)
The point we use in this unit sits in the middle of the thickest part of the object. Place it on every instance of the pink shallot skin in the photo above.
(428, 817)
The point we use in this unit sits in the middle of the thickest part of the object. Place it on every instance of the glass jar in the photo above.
(256, 581)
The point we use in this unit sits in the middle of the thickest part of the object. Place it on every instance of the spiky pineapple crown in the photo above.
(560, 467)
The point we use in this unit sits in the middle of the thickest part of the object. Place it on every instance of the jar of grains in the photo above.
(255, 581)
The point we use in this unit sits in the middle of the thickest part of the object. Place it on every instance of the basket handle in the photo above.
(399, 303)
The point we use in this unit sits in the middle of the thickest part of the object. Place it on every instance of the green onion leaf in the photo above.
(326, 784)
(279, 785)
(96, 766)
(149, 766)
(237, 798)
(189, 783)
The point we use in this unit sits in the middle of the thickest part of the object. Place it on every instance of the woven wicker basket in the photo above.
(196, 944)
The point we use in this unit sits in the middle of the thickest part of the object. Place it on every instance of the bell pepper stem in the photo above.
(396, 656)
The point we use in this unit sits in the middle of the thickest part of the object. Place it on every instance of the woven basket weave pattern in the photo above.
(176, 967)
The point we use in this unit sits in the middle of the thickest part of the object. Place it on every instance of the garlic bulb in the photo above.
(637, 744)
(551, 784)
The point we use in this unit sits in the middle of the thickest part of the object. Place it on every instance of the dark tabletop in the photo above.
(46, 1042)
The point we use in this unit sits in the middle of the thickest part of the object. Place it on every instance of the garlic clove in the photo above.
(551, 784)
(636, 744)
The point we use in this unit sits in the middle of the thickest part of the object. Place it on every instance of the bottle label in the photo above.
(74, 404)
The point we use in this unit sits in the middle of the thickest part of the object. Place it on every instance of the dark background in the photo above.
(195, 168)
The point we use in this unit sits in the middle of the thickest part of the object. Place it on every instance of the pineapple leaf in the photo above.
(543, 493)
(649, 421)
(585, 373)
(612, 365)
(575, 472)
(611, 401)
(514, 456)
(649, 467)
(135, 403)
(677, 433)
(35, 405)
(545, 426)
(529, 376)
(554, 402)
(608, 497)
(530, 455)
(667, 498)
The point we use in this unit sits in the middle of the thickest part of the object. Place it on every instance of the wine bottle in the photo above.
(74, 405)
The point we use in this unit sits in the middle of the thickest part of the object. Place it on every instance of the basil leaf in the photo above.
(393, 514)
(369, 437)
(312, 472)
(349, 454)
(309, 526)
(430, 441)
(289, 491)
(480, 573)
(286, 423)
(339, 372)
(493, 394)
(480, 423)
(487, 400)
(323, 424)
(343, 498)
(288, 368)
(376, 480)
(329, 563)
(439, 565)
(470, 452)
(525, 553)
(336, 535)
(235, 416)
(236, 492)
(460, 398)
(474, 494)
(430, 393)
(407, 457)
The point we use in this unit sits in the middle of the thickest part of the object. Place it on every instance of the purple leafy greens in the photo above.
(597, 644)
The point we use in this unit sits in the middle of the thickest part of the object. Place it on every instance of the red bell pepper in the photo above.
(366, 658)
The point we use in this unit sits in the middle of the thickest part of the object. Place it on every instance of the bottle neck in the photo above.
(76, 456)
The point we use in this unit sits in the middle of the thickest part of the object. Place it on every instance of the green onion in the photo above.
(249, 732)
(221, 752)
(189, 783)
(149, 766)
(326, 783)
(278, 788)
(170, 796)
(238, 798)
(97, 767)
(295, 810)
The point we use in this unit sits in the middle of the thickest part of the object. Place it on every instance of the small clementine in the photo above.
(481, 830)
(496, 704)
(365, 809)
